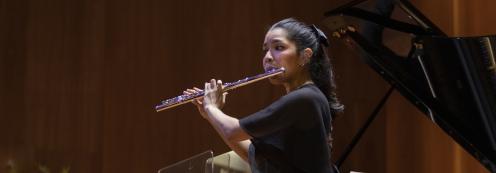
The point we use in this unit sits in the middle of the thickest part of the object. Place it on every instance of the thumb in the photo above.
(197, 102)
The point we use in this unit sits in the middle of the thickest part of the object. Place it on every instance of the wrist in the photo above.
(209, 111)
(210, 107)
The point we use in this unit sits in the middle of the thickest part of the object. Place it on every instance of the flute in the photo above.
(185, 98)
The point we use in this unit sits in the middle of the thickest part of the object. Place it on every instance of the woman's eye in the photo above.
(279, 47)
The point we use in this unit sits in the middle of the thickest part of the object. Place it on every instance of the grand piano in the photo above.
(451, 79)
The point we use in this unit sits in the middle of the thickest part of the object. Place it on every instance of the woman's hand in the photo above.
(197, 102)
(211, 96)
(214, 94)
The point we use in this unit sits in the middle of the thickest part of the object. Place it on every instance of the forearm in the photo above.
(226, 127)
(240, 148)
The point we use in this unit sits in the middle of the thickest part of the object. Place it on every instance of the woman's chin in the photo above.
(275, 81)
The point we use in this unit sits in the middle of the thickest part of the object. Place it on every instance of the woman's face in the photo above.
(280, 52)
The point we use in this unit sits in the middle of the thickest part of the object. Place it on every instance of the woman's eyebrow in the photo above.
(275, 40)
(272, 41)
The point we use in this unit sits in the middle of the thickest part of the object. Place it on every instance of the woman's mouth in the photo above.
(270, 68)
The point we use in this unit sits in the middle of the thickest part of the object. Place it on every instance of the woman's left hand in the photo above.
(214, 94)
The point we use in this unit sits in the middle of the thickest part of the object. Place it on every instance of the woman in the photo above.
(291, 134)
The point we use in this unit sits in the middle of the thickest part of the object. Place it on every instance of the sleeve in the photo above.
(279, 115)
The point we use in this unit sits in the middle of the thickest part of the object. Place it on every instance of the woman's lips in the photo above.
(270, 68)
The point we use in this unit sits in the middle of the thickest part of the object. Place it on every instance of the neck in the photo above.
(297, 82)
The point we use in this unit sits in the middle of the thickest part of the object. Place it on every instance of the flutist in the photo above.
(293, 133)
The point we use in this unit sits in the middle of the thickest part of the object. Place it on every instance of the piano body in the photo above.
(451, 79)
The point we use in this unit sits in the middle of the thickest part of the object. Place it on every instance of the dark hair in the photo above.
(319, 66)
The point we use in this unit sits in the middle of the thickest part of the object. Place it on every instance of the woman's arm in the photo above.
(230, 131)
(226, 126)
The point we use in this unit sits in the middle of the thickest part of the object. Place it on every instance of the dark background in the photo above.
(79, 80)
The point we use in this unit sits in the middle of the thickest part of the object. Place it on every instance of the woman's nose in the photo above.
(268, 57)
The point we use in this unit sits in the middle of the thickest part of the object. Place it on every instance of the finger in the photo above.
(216, 85)
(219, 84)
(187, 92)
(197, 102)
(224, 95)
(212, 84)
(191, 91)
(197, 89)
(219, 87)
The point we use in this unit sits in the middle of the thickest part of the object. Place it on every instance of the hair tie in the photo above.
(321, 37)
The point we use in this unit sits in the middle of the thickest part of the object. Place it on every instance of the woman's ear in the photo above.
(307, 54)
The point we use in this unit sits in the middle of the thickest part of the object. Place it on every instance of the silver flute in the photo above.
(186, 98)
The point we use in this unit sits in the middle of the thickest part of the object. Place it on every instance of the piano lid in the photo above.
(451, 79)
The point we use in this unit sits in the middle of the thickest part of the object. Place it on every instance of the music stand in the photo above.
(200, 163)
